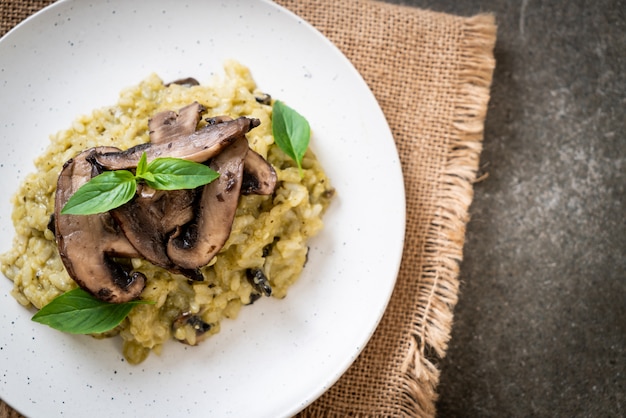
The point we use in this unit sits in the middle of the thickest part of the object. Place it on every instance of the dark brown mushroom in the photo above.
(200, 146)
(187, 82)
(149, 219)
(259, 177)
(168, 125)
(88, 243)
(178, 230)
(198, 242)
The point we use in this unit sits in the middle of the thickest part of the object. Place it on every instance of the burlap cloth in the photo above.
(431, 74)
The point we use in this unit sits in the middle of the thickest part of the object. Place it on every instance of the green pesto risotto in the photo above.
(269, 233)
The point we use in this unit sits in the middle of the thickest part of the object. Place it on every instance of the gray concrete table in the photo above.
(540, 327)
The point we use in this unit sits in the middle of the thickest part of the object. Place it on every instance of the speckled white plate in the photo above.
(279, 355)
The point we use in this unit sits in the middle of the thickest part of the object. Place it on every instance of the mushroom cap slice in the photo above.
(88, 243)
(199, 146)
(259, 177)
(149, 219)
(198, 242)
(187, 82)
(168, 125)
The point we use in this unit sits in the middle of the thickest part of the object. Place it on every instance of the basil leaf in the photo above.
(112, 189)
(78, 312)
(142, 165)
(102, 193)
(291, 131)
(175, 173)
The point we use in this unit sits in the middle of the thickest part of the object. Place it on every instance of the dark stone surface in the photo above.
(540, 327)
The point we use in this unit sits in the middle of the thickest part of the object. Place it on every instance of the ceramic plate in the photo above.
(278, 355)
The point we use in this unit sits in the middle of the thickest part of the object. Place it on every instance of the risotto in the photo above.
(269, 232)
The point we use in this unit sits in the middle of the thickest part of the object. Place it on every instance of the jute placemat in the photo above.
(431, 74)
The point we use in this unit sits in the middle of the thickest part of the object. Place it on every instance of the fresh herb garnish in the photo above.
(175, 173)
(104, 192)
(112, 189)
(291, 131)
(78, 312)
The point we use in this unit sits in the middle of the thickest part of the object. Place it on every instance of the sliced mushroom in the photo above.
(259, 177)
(178, 230)
(200, 146)
(168, 125)
(88, 243)
(187, 82)
(198, 242)
(148, 220)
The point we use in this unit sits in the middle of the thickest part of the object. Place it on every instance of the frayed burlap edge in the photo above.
(445, 237)
(438, 281)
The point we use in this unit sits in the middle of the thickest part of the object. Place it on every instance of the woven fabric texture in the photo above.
(431, 74)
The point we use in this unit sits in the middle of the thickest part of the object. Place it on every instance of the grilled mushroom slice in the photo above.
(148, 220)
(259, 177)
(187, 82)
(168, 125)
(88, 243)
(198, 242)
(199, 146)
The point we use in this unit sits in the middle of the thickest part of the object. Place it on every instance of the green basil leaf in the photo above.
(291, 131)
(78, 312)
(175, 173)
(142, 165)
(102, 193)
(148, 177)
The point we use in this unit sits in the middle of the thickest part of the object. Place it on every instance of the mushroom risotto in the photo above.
(195, 263)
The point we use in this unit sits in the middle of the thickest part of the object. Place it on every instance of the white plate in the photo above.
(279, 355)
